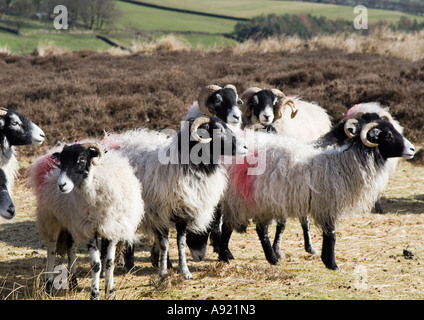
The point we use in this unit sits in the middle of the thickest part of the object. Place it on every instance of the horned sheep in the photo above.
(220, 102)
(183, 188)
(288, 116)
(301, 179)
(88, 193)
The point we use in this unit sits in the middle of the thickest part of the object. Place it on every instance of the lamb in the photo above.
(301, 180)
(183, 179)
(87, 193)
(221, 102)
(289, 117)
(15, 130)
(7, 208)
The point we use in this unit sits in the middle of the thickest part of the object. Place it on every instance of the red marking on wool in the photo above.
(40, 171)
(352, 111)
(244, 183)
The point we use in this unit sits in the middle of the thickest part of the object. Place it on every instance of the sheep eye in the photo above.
(239, 101)
(14, 123)
(81, 161)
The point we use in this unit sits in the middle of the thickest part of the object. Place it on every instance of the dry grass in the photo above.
(408, 46)
(370, 253)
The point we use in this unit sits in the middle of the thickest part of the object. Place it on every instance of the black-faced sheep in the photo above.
(183, 178)
(301, 180)
(221, 102)
(7, 208)
(288, 116)
(15, 130)
(89, 194)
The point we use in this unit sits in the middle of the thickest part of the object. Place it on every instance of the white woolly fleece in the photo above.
(107, 204)
(300, 181)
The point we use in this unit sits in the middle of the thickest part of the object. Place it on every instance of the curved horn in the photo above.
(196, 124)
(97, 147)
(364, 133)
(3, 112)
(385, 115)
(350, 124)
(283, 101)
(231, 86)
(246, 96)
(204, 95)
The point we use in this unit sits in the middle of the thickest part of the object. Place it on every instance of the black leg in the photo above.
(129, 257)
(307, 236)
(328, 245)
(216, 230)
(279, 230)
(262, 231)
(224, 251)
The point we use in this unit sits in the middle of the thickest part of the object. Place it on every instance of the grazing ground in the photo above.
(81, 94)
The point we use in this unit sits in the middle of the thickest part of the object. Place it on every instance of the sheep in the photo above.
(183, 179)
(221, 102)
(375, 107)
(84, 193)
(289, 117)
(300, 180)
(7, 208)
(15, 130)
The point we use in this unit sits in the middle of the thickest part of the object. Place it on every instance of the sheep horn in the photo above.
(350, 124)
(96, 146)
(230, 86)
(196, 124)
(364, 133)
(246, 96)
(385, 115)
(203, 97)
(3, 112)
(283, 101)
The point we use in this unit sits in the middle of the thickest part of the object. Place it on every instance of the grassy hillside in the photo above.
(153, 23)
(250, 8)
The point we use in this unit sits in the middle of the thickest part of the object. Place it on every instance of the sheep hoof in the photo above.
(311, 250)
(188, 275)
(225, 256)
(279, 254)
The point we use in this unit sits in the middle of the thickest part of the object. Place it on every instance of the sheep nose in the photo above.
(11, 210)
(236, 117)
(266, 117)
(61, 186)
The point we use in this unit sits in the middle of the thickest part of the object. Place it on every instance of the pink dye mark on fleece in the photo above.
(243, 182)
(352, 111)
(112, 142)
(40, 170)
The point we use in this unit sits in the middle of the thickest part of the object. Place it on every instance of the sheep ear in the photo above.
(2, 122)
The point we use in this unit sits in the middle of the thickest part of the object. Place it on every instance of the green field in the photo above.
(156, 22)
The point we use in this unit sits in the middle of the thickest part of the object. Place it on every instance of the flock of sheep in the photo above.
(260, 157)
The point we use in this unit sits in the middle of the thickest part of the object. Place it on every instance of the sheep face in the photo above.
(74, 162)
(221, 140)
(224, 104)
(18, 130)
(7, 209)
(381, 134)
(263, 106)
